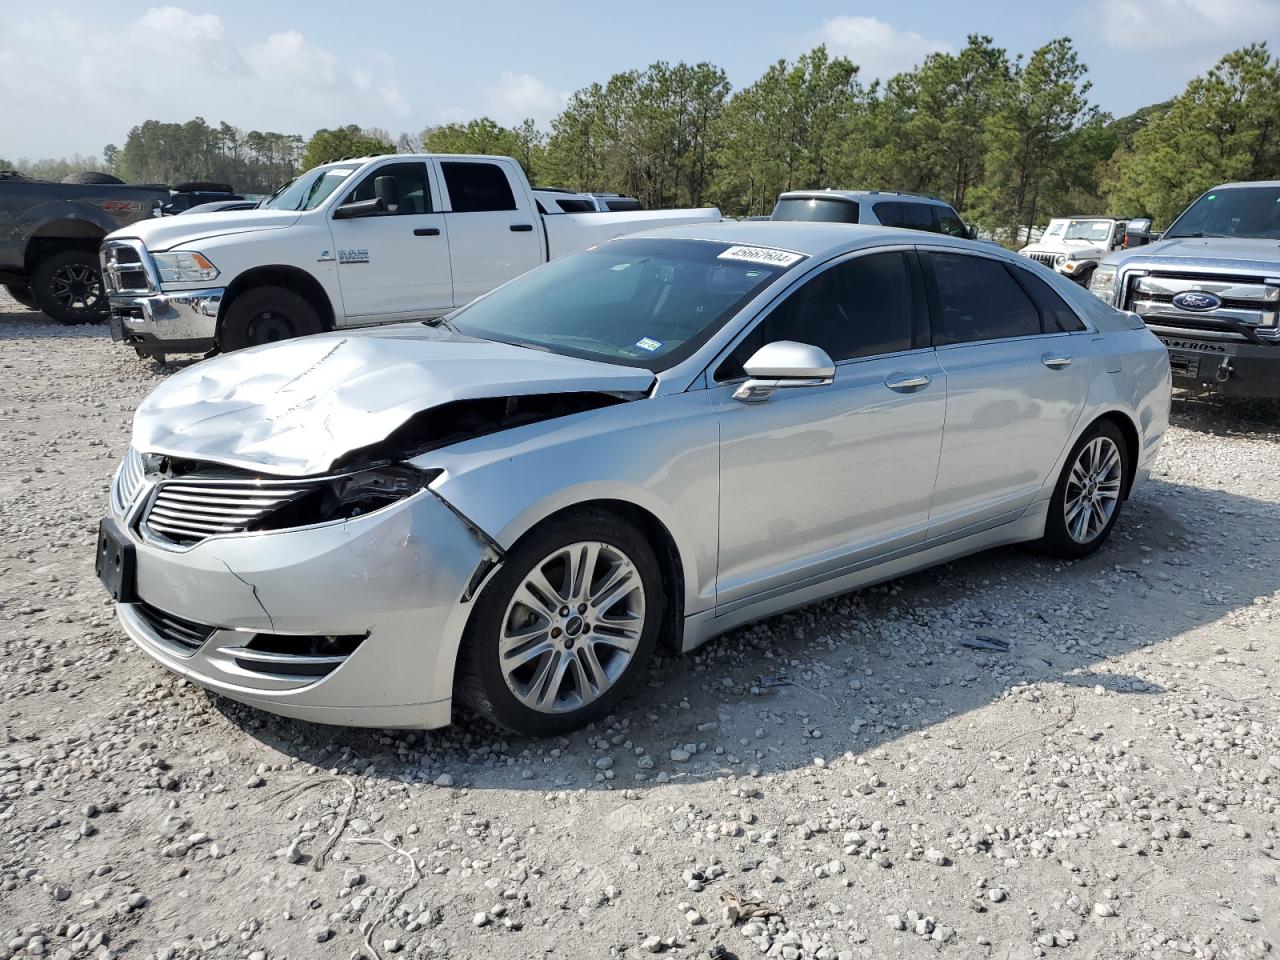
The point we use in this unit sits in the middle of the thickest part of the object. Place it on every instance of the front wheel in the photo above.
(565, 628)
(1086, 502)
(68, 287)
(267, 315)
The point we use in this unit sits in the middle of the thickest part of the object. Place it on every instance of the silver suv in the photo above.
(885, 207)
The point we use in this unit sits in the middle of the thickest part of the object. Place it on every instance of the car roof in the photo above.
(1245, 183)
(812, 239)
(858, 195)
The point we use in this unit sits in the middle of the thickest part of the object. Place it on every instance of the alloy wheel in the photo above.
(1093, 489)
(572, 627)
(77, 287)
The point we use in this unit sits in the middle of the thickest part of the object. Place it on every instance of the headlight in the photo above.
(184, 266)
(1103, 283)
(350, 496)
(1060, 259)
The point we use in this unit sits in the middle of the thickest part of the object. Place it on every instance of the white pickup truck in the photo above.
(347, 244)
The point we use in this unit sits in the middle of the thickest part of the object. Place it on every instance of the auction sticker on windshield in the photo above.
(766, 255)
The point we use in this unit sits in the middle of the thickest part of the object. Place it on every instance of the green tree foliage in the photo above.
(349, 141)
(252, 162)
(525, 142)
(649, 133)
(788, 131)
(1037, 139)
(1225, 126)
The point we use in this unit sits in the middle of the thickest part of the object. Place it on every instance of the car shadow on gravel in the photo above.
(1226, 416)
(850, 674)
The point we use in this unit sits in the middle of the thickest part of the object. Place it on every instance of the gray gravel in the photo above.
(845, 781)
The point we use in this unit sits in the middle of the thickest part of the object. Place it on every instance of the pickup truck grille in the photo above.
(1249, 307)
(1045, 258)
(126, 267)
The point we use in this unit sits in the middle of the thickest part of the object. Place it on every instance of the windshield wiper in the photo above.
(440, 321)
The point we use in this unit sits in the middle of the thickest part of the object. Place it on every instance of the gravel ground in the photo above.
(1108, 787)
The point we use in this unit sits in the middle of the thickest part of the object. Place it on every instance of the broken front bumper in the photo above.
(180, 322)
(354, 622)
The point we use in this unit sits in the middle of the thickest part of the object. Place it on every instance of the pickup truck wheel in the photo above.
(22, 293)
(565, 628)
(68, 287)
(266, 315)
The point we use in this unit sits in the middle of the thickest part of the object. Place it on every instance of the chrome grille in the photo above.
(125, 267)
(186, 634)
(128, 481)
(1253, 302)
(186, 512)
(1045, 258)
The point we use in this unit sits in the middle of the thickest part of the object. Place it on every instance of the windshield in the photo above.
(1054, 229)
(639, 302)
(1088, 230)
(835, 210)
(1245, 212)
(310, 190)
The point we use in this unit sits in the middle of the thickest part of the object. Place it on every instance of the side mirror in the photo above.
(971, 232)
(1137, 232)
(359, 208)
(784, 364)
(384, 188)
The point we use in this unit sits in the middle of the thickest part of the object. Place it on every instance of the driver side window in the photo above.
(863, 307)
(412, 191)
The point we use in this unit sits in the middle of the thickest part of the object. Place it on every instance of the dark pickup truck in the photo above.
(50, 232)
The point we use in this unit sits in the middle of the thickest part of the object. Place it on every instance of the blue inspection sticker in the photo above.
(648, 343)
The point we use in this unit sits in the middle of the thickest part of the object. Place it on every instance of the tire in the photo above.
(68, 287)
(588, 662)
(1089, 494)
(266, 315)
(22, 293)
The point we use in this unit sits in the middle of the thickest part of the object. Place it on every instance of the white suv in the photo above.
(885, 207)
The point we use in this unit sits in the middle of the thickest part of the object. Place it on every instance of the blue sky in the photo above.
(76, 75)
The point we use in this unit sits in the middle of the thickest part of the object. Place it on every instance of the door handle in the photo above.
(426, 231)
(1055, 363)
(521, 227)
(905, 383)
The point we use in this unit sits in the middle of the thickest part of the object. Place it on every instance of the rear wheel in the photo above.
(68, 287)
(22, 293)
(1087, 500)
(565, 628)
(267, 315)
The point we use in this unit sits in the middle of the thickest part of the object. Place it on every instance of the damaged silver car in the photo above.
(654, 440)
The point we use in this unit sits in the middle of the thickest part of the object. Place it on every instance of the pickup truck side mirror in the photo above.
(971, 232)
(385, 189)
(1137, 232)
(784, 364)
(359, 208)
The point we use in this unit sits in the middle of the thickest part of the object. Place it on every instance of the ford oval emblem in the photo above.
(1196, 300)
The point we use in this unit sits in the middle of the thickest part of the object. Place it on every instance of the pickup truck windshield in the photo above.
(1088, 230)
(1244, 212)
(639, 302)
(310, 190)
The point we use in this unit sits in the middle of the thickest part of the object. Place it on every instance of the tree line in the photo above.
(1009, 140)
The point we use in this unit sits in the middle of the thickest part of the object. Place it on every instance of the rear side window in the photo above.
(978, 299)
(1057, 316)
(413, 194)
(574, 205)
(863, 307)
(816, 210)
(620, 204)
(919, 216)
(477, 187)
(889, 213)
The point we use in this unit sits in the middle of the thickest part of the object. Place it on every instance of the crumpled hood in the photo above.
(294, 408)
(1224, 253)
(165, 233)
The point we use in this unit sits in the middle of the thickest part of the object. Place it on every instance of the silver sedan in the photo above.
(652, 441)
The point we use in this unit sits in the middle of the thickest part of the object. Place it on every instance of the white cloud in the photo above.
(171, 64)
(876, 47)
(520, 95)
(1148, 24)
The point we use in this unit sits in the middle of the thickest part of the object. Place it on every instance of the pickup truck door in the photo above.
(395, 264)
(492, 236)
